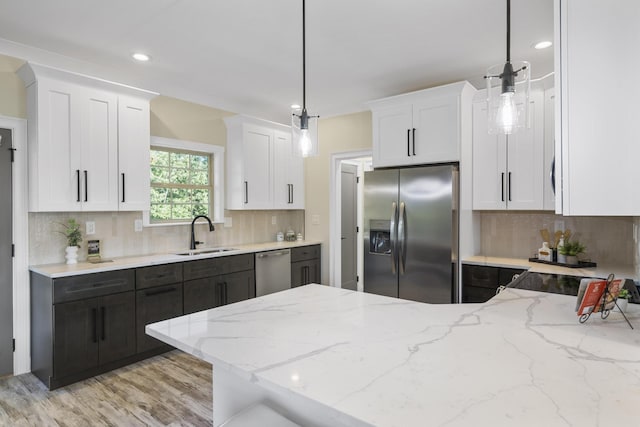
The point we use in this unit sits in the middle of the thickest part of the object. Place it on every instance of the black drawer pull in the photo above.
(160, 292)
(93, 286)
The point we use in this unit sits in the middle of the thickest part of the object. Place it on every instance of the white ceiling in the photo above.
(245, 56)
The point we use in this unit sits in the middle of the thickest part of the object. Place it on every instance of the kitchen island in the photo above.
(323, 356)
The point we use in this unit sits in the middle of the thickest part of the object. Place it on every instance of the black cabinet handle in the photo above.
(502, 186)
(408, 142)
(219, 294)
(94, 314)
(86, 185)
(102, 318)
(509, 184)
(225, 293)
(78, 183)
(123, 198)
(414, 141)
(246, 192)
(160, 292)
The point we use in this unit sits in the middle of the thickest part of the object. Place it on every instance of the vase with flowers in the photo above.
(72, 232)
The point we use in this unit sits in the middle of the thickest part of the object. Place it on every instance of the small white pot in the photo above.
(71, 254)
(621, 304)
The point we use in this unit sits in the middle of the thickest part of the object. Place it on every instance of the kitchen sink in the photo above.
(205, 251)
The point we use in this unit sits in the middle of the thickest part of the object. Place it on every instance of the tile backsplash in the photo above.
(118, 238)
(608, 240)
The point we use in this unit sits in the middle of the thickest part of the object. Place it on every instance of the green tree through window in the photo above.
(181, 185)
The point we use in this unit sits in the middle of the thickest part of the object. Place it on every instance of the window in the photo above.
(186, 180)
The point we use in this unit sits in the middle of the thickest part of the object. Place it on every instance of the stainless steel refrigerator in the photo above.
(411, 233)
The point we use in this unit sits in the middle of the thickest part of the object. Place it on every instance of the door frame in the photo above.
(335, 212)
(21, 309)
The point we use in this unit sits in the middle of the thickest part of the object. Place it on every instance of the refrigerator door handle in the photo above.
(393, 236)
(402, 238)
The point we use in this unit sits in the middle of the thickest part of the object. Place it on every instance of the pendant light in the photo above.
(509, 110)
(304, 128)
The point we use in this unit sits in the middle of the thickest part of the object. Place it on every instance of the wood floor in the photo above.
(173, 389)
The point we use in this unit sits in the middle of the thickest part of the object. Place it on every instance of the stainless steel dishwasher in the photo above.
(273, 271)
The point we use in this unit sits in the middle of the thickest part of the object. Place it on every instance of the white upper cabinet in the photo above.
(421, 127)
(262, 172)
(78, 135)
(549, 203)
(508, 171)
(597, 108)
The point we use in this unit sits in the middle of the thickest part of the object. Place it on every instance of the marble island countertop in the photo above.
(520, 359)
(84, 267)
(602, 270)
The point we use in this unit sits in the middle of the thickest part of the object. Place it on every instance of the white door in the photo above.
(489, 163)
(525, 157)
(392, 136)
(6, 258)
(349, 220)
(437, 131)
(133, 154)
(258, 184)
(99, 150)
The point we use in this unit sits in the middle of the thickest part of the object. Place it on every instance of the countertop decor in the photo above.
(325, 357)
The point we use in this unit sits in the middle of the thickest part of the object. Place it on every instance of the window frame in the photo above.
(217, 163)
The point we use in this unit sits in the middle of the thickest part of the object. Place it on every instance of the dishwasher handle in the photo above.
(274, 253)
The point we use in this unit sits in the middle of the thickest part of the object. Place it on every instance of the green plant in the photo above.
(72, 232)
(624, 294)
(571, 248)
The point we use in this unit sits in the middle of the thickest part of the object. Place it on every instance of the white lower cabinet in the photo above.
(508, 171)
(84, 136)
(262, 172)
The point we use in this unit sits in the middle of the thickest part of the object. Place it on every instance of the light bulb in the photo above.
(305, 142)
(507, 115)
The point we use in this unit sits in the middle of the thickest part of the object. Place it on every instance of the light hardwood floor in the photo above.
(173, 389)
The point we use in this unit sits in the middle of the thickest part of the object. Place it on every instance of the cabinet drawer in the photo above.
(480, 276)
(158, 275)
(202, 268)
(92, 285)
(154, 305)
(305, 253)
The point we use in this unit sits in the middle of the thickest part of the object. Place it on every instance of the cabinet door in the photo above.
(437, 134)
(200, 294)
(288, 174)
(133, 154)
(489, 163)
(237, 287)
(117, 326)
(525, 161)
(305, 272)
(99, 150)
(54, 147)
(258, 184)
(392, 136)
(75, 337)
(549, 202)
(154, 305)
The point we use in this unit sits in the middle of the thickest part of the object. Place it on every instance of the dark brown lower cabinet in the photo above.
(93, 332)
(480, 282)
(305, 272)
(153, 305)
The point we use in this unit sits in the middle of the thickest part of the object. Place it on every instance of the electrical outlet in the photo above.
(90, 228)
(228, 222)
(559, 225)
(274, 220)
(315, 219)
(137, 225)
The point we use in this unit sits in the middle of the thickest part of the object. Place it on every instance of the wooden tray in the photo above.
(580, 264)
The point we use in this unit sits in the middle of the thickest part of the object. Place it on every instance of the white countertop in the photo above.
(626, 272)
(520, 359)
(64, 270)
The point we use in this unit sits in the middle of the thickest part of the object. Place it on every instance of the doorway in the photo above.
(6, 253)
(346, 255)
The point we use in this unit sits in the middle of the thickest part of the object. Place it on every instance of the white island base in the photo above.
(323, 356)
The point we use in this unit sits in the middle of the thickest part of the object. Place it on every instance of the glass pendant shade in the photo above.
(304, 134)
(508, 97)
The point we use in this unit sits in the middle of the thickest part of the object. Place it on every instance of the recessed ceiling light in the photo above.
(295, 106)
(142, 57)
(543, 45)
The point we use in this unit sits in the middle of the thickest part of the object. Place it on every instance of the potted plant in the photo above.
(569, 251)
(74, 237)
(623, 300)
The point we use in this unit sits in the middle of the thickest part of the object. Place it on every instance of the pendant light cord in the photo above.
(508, 29)
(304, 61)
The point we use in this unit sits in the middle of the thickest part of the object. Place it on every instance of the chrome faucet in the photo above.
(193, 244)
